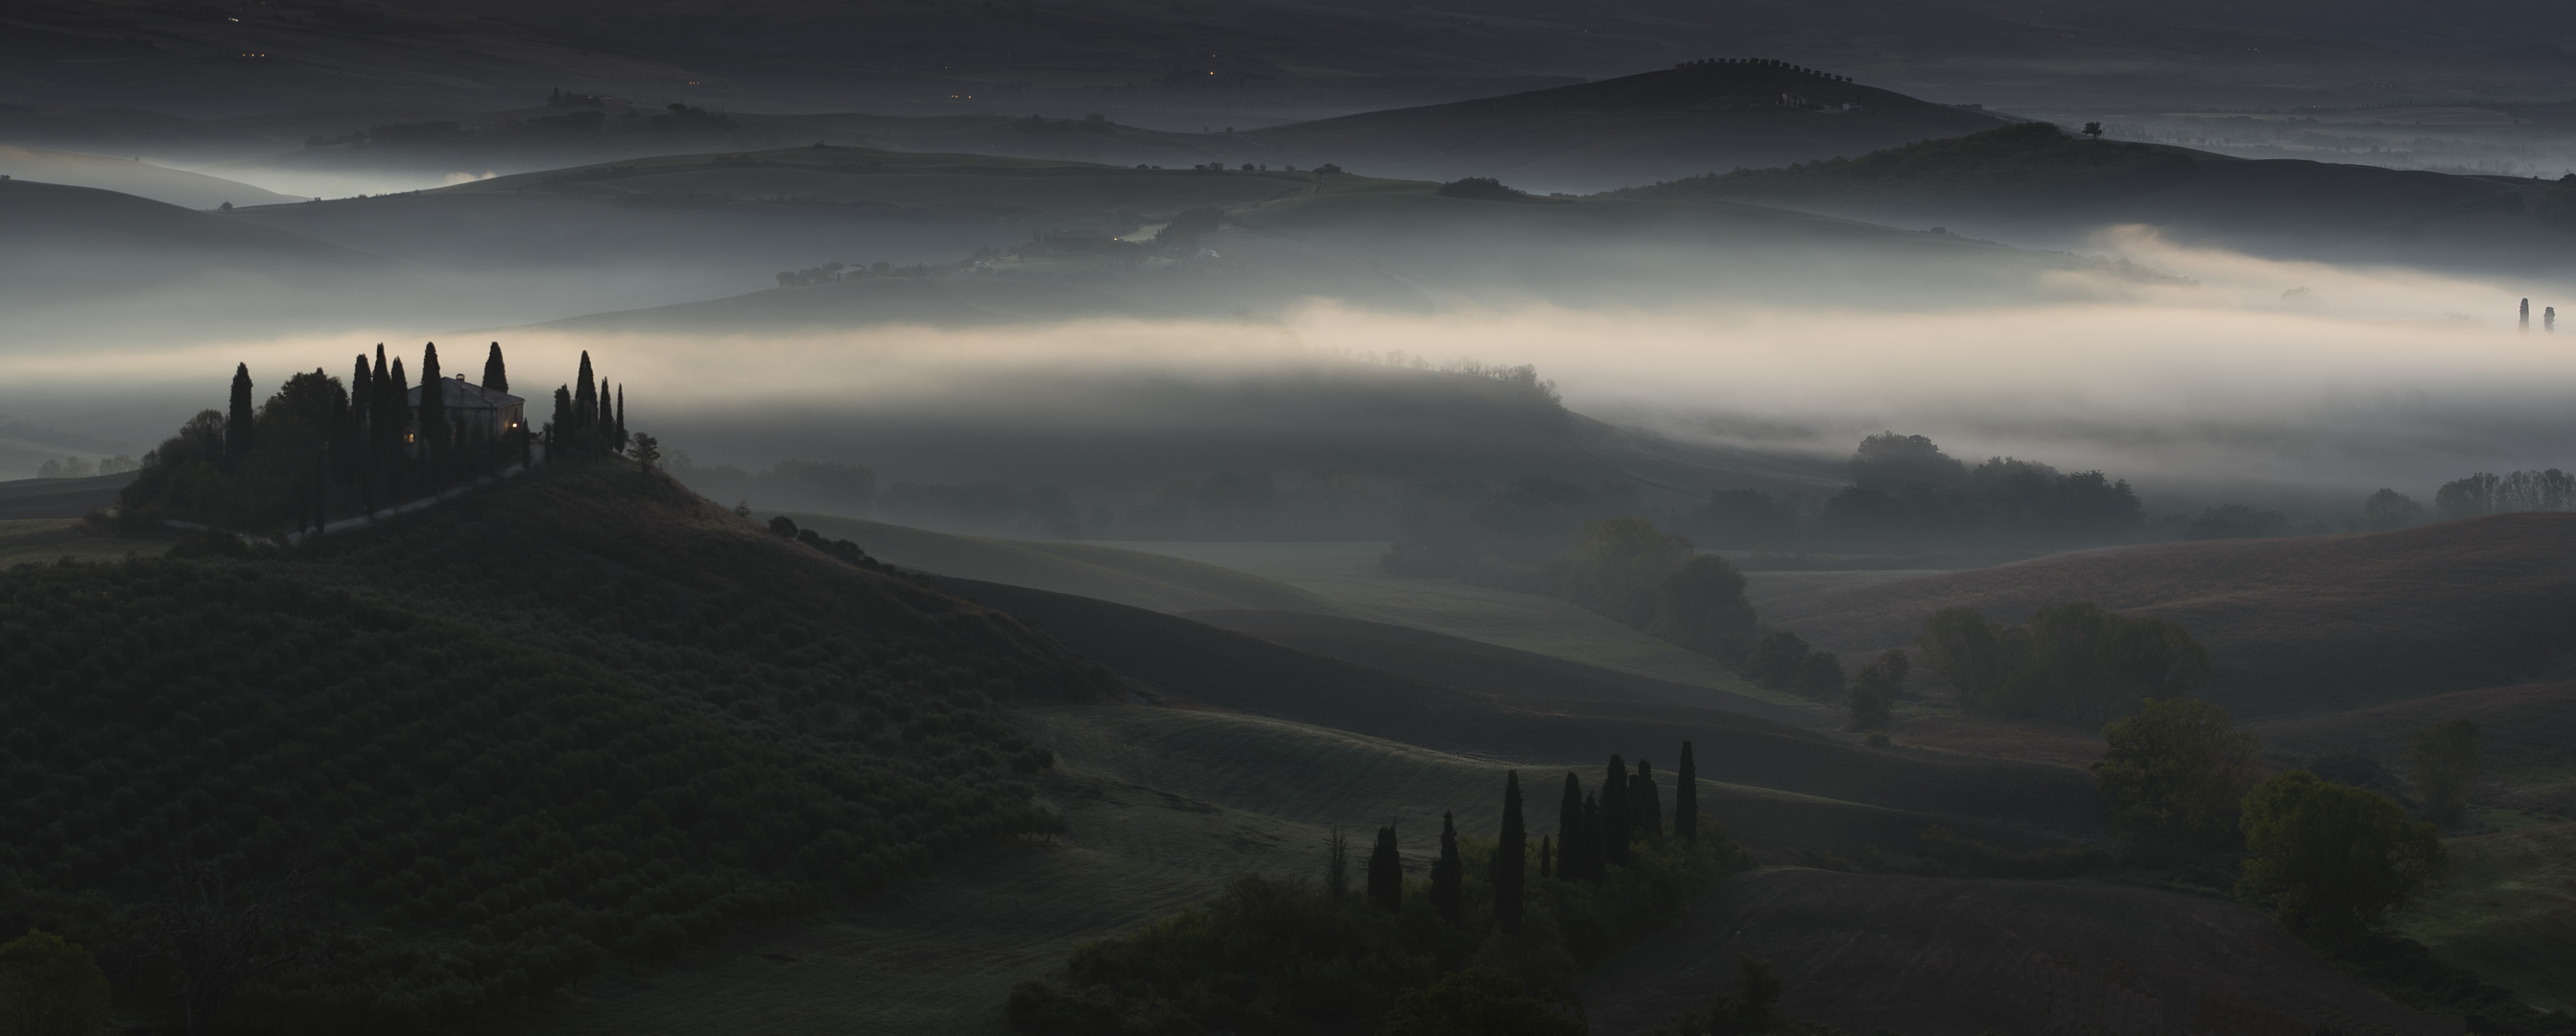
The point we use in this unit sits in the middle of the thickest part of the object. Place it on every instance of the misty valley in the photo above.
(1104, 518)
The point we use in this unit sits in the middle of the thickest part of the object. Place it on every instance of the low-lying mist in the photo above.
(2237, 386)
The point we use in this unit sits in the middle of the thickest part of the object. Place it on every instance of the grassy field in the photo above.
(2509, 913)
(1161, 806)
(40, 540)
(1158, 582)
(1348, 575)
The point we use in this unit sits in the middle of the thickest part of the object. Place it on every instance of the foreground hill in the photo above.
(1699, 117)
(1939, 955)
(2292, 625)
(2032, 183)
(488, 778)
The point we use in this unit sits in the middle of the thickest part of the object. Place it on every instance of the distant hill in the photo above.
(2035, 184)
(177, 187)
(2293, 626)
(1698, 118)
(60, 497)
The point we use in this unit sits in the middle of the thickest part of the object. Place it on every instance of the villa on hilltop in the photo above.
(473, 412)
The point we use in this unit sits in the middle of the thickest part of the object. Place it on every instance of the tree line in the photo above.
(1516, 918)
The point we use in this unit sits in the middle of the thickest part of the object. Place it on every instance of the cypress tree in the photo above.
(496, 375)
(1646, 806)
(621, 412)
(1615, 812)
(585, 398)
(1546, 857)
(607, 421)
(398, 461)
(1569, 830)
(1595, 862)
(435, 435)
(1686, 799)
(238, 423)
(1448, 878)
(1386, 873)
(1511, 859)
(560, 425)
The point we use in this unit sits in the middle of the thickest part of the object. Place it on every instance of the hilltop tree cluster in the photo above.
(2075, 663)
(1493, 923)
(320, 448)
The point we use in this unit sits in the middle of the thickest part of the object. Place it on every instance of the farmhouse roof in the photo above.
(457, 394)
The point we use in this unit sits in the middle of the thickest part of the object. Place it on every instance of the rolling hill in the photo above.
(1944, 956)
(2035, 185)
(1701, 117)
(172, 186)
(2293, 626)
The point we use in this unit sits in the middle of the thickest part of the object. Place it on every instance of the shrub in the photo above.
(2335, 862)
(2176, 774)
(49, 987)
(1479, 188)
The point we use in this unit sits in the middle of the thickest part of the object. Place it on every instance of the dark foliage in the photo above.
(2072, 662)
(2410, 974)
(1480, 188)
(492, 780)
(1385, 873)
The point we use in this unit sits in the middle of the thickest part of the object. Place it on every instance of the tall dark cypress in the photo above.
(1546, 857)
(1686, 799)
(398, 461)
(585, 397)
(496, 375)
(1511, 859)
(1615, 812)
(621, 412)
(1569, 830)
(560, 426)
(436, 438)
(1386, 873)
(1646, 807)
(238, 422)
(1595, 861)
(607, 421)
(1448, 874)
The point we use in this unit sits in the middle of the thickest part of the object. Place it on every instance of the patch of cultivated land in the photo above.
(1141, 579)
(2293, 626)
(1939, 956)
(1347, 573)
(2509, 912)
(1161, 807)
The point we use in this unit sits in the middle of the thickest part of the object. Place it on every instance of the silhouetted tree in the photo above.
(1874, 691)
(1546, 856)
(1617, 815)
(2093, 130)
(1386, 873)
(395, 390)
(621, 411)
(1686, 798)
(1511, 858)
(585, 399)
(496, 375)
(1596, 855)
(2445, 760)
(2525, 319)
(1448, 873)
(606, 422)
(1337, 864)
(51, 987)
(239, 421)
(2389, 509)
(436, 436)
(645, 450)
(2176, 774)
(2334, 861)
(1646, 805)
(1820, 677)
(559, 429)
(1569, 830)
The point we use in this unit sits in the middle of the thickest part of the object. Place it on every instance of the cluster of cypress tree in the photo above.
(1597, 831)
(589, 418)
(321, 447)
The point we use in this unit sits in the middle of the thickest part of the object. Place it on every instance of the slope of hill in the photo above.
(501, 781)
(2032, 183)
(1151, 581)
(172, 186)
(1593, 136)
(1195, 663)
(2509, 912)
(2292, 625)
(1938, 955)
(60, 497)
